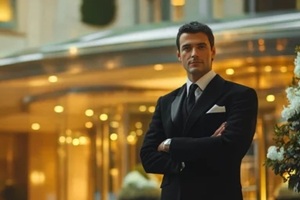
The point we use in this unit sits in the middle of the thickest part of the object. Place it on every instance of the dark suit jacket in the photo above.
(212, 164)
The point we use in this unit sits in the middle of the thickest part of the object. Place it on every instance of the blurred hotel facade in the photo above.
(77, 97)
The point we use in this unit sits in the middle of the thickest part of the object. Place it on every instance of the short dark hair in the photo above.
(195, 27)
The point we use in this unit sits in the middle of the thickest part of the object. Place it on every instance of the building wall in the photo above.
(51, 21)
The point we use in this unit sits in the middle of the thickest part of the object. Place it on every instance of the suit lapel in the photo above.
(176, 106)
(206, 101)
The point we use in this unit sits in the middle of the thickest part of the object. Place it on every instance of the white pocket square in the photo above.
(216, 109)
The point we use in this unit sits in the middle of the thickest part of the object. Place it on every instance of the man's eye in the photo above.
(185, 48)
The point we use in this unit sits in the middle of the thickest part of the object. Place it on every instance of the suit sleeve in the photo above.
(152, 160)
(235, 140)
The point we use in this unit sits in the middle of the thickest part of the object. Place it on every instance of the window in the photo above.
(7, 13)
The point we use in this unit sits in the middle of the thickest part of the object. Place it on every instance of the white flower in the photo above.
(137, 186)
(135, 179)
(297, 65)
(274, 154)
(290, 94)
(288, 112)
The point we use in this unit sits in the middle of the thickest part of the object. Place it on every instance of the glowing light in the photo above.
(58, 109)
(133, 133)
(178, 2)
(52, 79)
(151, 109)
(138, 125)
(283, 69)
(268, 68)
(158, 67)
(270, 98)
(69, 140)
(142, 108)
(35, 126)
(73, 50)
(114, 124)
(83, 140)
(139, 132)
(229, 71)
(75, 142)
(89, 112)
(131, 139)
(113, 136)
(37, 177)
(5, 11)
(114, 171)
(88, 124)
(62, 139)
(103, 117)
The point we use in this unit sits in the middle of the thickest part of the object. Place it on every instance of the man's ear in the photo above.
(213, 50)
(178, 55)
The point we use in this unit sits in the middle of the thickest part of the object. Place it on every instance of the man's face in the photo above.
(195, 54)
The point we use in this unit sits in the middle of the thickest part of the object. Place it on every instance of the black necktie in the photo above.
(191, 98)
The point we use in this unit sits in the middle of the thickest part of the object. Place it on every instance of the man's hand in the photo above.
(164, 146)
(220, 130)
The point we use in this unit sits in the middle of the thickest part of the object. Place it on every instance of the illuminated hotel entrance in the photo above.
(72, 124)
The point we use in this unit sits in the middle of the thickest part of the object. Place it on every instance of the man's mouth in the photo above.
(194, 62)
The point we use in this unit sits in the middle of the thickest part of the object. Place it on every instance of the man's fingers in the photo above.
(220, 130)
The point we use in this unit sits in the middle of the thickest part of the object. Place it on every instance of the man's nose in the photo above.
(194, 52)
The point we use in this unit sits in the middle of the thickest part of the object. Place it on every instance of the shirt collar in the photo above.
(203, 81)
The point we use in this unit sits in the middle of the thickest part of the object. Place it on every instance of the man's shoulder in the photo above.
(174, 92)
(238, 85)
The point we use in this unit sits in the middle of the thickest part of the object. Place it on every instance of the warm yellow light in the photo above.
(142, 108)
(151, 109)
(229, 71)
(139, 132)
(113, 136)
(131, 139)
(114, 124)
(138, 125)
(73, 50)
(75, 142)
(37, 178)
(62, 139)
(89, 112)
(158, 67)
(69, 140)
(270, 98)
(83, 140)
(103, 117)
(268, 68)
(35, 126)
(58, 109)
(52, 79)
(114, 171)
(283, 69)
(5, 11)
(178, 2)
(133, 133)
(88, 124)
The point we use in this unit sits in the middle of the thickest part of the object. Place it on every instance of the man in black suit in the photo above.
(199, 148)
